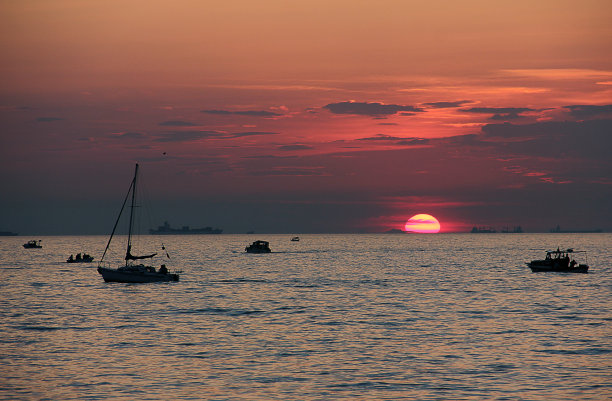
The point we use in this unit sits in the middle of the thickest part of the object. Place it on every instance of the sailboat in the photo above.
(133, 271)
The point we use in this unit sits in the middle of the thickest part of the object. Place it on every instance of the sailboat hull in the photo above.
(135, 276)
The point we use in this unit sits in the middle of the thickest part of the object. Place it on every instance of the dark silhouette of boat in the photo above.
(8, 234)
(395, 231)
(85, 258)
(558, 261)
(166, 229)
(258, 247)
(482, 230)
(130, 272)
(295, 239)
(560, 231)
(32, 244)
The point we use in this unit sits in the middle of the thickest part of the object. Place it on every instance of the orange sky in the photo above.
(390, 107)
(74, 44)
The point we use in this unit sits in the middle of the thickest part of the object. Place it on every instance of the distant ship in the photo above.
(559, 230)
(515, 230)
(490, 230)
(482, 230)
(395, 231)
(166, 229)
(7, 234)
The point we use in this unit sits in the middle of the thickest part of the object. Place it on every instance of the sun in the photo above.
(422, 223)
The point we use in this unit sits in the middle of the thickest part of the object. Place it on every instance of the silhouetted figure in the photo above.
(163, 269)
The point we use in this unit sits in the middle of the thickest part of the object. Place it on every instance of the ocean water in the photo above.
(372, 317)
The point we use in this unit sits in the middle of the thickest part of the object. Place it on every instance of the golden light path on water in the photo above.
(422, 223)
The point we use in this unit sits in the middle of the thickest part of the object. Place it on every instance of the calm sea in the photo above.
(376, 317)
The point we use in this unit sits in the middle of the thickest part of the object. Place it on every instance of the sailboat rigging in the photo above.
(130, 272)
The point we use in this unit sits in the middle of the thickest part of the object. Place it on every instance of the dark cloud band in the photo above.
(369, 109)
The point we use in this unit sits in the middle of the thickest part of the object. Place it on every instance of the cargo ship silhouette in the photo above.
(166, 229)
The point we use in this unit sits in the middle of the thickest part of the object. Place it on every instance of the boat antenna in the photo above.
(119, 217)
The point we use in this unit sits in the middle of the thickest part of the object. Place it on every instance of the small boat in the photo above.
(130, 272)
(32, 244)
(558, 261)
(295, 239)
(258, 247)
(85, 258)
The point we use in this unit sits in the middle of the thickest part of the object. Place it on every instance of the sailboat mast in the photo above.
(129, 244)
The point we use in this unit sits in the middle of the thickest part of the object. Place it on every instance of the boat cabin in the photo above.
(258, 247)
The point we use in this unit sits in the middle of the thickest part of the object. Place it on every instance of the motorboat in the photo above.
(133, 272)
(258, 247)
(84, 258)
(32, 244)
(559, 261)
(295, 239)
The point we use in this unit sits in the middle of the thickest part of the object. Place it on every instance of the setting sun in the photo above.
(422, 223)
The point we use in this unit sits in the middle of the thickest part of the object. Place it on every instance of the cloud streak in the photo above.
(251, 113)
(177, 123)
(187, 136)
(296, 146)
(500, 113)
(447, 105)
(369, 109)
(48, 119)
(586, 111)
(251, 133)
(403, 141)
(128, 135)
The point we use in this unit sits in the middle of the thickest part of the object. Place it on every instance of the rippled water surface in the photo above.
(380, 317)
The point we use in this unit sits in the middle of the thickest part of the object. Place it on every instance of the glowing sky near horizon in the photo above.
(333, 115)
